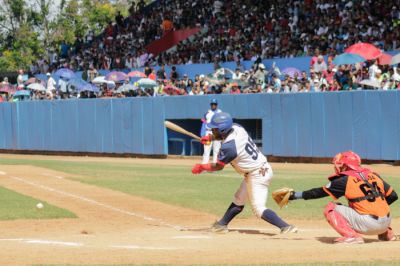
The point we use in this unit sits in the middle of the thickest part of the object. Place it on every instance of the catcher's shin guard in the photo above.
(338, 222)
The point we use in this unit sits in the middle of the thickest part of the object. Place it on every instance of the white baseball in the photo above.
(39, 205)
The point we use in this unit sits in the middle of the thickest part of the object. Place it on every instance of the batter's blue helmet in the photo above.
(214, 101)
(222, 121)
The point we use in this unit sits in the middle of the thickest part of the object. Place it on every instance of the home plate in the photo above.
(191, 237)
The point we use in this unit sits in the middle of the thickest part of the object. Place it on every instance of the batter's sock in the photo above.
(230, 213)
(271, 217)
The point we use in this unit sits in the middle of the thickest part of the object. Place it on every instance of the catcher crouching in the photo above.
(368, 195)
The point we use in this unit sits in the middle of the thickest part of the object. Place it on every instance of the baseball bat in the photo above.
(179, 129)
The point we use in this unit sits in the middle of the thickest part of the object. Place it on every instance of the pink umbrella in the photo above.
(116, 76)
(384, 59)
(366, 50)
(136, 74)
(291, 71)
(7, 88)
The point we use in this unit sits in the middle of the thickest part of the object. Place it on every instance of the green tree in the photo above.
(29, 28)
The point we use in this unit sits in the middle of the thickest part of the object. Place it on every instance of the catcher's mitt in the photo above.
(282, 195)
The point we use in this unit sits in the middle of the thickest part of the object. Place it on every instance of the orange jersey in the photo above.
(359, 194)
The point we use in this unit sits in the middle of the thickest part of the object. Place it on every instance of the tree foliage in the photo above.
(30, 28)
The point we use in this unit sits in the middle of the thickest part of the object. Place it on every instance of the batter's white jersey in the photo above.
(239, 150)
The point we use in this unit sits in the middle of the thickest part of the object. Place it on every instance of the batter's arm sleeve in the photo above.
(227, 153)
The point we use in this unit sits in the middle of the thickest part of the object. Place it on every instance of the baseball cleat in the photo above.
(219, 228)
(289, 229)
(349, 240)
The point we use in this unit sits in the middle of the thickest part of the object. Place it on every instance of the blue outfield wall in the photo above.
(306, 125)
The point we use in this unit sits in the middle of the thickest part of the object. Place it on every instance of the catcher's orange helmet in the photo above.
(349, 159)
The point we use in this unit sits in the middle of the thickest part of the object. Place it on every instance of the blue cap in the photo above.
(214, 101)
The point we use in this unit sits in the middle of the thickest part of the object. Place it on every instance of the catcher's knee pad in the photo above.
(338, 222)
(328, 208)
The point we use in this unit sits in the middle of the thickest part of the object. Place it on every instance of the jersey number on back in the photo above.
(251, 149)
(368, 192)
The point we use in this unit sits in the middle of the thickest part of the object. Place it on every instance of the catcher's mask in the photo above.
(346, 160)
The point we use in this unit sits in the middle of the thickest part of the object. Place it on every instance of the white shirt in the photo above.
(63, 85)
(396, 76)
(372, 72)
(210, 113)
(50, 84)
(239, 150)
(20, 80)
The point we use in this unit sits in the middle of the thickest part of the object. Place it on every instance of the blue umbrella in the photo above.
(103, 72)
(347, 59)
(77, 83)
(41, 77)
(89, 87)
(65, 73)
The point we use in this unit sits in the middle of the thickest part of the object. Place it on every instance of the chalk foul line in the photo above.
(94, 202)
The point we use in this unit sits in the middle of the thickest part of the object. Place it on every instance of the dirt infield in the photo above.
(116, 228)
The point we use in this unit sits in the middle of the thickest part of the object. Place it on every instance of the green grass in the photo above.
(17, 206)
(176, 185)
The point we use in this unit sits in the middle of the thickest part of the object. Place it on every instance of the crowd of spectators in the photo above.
(234, 31)
(322, 76)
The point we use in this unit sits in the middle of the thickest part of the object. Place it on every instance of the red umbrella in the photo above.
(366, 50)
(136, 74)
(171, 90)
(384, 59)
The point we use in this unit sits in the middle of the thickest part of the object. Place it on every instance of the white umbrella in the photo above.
(126, 87)
(223, 72)
(370, 83)
(146, 83)
(395, 59)
(102, 80)
(36, 87)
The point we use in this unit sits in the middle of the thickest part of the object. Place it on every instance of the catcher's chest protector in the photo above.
(366, 198)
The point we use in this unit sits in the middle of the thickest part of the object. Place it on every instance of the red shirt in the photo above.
(314, 59)
(233, 91)
(328, 77)
(152, 76)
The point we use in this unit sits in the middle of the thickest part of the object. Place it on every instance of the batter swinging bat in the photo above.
(177, 128)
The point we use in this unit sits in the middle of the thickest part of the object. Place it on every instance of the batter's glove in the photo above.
(282, 196)
(197, 169)
(206, 140)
